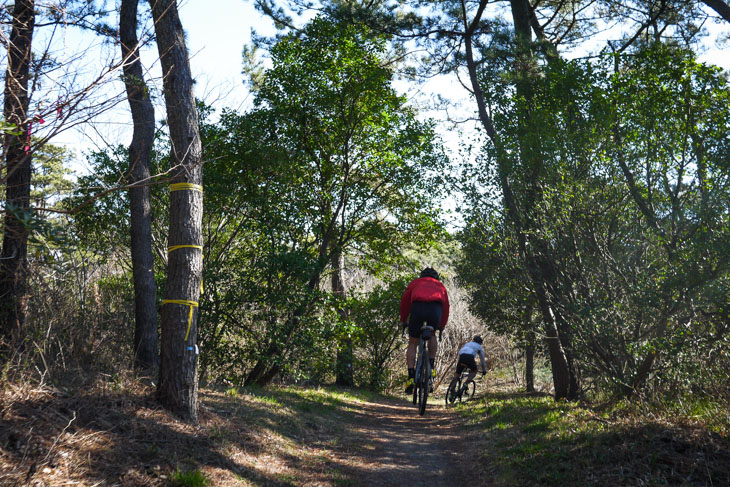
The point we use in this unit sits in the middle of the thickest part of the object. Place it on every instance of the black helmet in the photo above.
(477, 339)
(429, 272)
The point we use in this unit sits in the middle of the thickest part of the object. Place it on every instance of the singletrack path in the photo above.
(394, 446)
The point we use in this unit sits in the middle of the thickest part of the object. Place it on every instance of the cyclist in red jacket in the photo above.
(425, 300)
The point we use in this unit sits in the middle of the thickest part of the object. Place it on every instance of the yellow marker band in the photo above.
(192, 304)
(175, 247)
(186, 187)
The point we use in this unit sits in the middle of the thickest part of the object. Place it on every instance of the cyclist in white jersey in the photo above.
(467, 360)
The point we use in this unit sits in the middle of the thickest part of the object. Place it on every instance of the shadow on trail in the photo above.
(393, 446)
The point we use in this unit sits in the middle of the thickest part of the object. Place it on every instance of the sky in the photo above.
(216, 37)
(216, 33)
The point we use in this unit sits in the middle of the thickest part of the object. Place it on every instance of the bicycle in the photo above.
(422, 381)
(457, 391)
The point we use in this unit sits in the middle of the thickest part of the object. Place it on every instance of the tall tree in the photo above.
(13, 258)
(143, 117)
(460, 36)
(534, 249)
(363, 172)
(178, 383)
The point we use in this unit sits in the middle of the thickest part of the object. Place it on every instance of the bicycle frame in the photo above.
(423, 371)
(455, 391)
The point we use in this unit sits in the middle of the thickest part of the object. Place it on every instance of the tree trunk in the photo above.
(178, 383)
(14, 255)
(530, 366)
(529, 348)
(344, 372)
(143, 117)
(565, 375)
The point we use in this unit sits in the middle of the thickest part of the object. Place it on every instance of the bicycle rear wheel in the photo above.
(453, 391)
(424, 374)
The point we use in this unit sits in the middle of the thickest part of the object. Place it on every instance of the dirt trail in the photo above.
(395, 446)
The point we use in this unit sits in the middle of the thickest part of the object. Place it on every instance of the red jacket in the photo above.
(425, 289)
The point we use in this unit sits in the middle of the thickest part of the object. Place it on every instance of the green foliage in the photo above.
(624, 186)
(331, 159)
(359, 151)
(50, 171)
(377, 330)
(192, 478)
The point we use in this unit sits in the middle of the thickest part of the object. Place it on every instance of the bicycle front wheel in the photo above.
(425, 375)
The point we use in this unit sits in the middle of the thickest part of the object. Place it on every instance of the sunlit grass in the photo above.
(534, 440)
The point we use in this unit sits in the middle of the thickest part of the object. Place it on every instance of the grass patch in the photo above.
(533, 440)
(192, 478)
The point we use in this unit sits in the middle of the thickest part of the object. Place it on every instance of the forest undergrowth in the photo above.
(115, 433)
(112, 432)
(531, 439)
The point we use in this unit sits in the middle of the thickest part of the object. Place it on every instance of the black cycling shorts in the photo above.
(466, 361)
(421, 311)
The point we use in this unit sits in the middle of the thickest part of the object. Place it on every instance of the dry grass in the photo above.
(111, 432)
(105, 437)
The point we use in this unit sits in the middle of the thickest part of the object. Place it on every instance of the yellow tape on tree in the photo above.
(186, 187)
(192, 304)
(176, 247)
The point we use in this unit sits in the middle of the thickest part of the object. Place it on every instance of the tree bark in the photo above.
(720, 7)
(14, 255)
(343, 366)
(178, 383)
(143, 116)
(529, 348)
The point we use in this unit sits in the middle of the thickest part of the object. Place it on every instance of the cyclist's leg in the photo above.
(429, 313)
(472, 374)
(460, 366)
(411, 352)
(411, 362)
(470, 363)
(433, 347)
(414, 334)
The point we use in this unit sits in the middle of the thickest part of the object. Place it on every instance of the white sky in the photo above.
(216, 37)
(216, 33)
